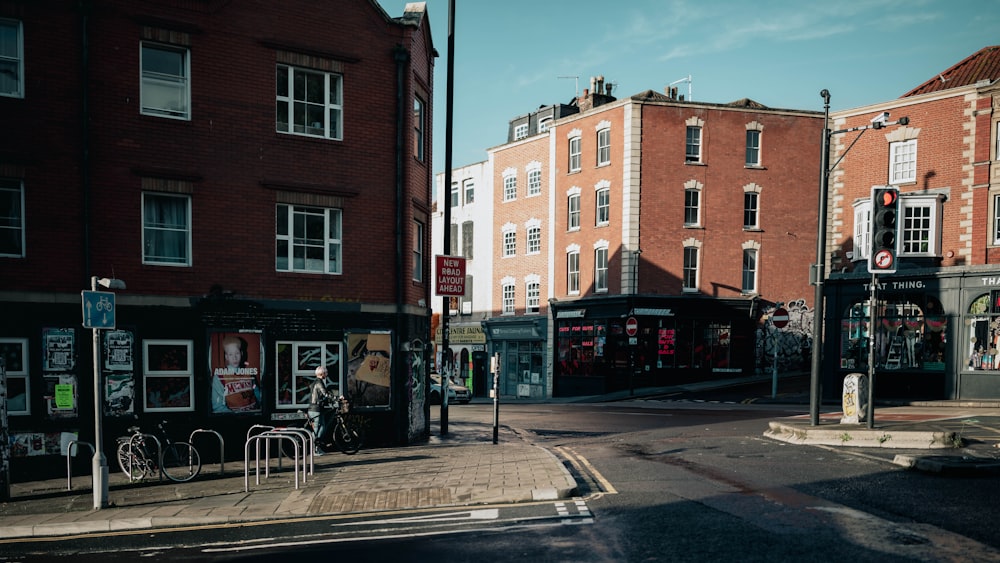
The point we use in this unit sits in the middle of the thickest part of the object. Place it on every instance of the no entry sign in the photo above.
(631, 326)
(780, 317)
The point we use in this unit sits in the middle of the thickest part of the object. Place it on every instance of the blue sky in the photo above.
(510, 55)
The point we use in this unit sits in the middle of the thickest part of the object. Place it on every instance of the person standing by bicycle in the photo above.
(318, 395)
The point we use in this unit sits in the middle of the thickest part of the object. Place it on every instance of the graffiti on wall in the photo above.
(791, 345)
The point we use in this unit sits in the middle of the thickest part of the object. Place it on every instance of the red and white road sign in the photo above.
(631, 326)
(450, 276)
(780, 317)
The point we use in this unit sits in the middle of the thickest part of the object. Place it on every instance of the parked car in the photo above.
(457, 393)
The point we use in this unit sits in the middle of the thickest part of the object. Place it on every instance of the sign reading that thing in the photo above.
(450, 275)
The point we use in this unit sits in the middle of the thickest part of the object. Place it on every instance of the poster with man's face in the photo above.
(369, 369)
(235, 359)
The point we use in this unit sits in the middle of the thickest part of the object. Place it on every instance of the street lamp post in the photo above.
(99, 463)
(879, 122)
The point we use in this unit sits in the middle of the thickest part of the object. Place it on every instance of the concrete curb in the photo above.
(952, 466)
(859, 437)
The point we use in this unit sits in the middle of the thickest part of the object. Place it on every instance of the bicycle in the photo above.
(143, 456)
(344, 431)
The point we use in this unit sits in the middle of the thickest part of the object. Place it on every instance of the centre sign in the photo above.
(450, 276)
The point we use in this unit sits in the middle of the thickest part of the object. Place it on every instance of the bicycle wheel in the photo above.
(347, 439)
(288, 448)
(181, 462)
(130, 462)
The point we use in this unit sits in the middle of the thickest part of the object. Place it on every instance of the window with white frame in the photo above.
(470, 191)
(520, 131)
(573, 270)
(996, 150)
(308, 239)
(419, 128)
(690, 274)
(749, 283)
(533, 292)
(534, 178)
(165, 89)
(534, 231)
(573, 210)
(601, 267)
(544, 124)
(602, 197)
(903, 162)
(751, 207)
(454, 195)
(14, 356)
(692, 146)
(509, 241)
(418, 251)
(310, 102)
(574, 153)
(11, 59)
(509, 184)
(508, 297)
(11, 217)
(996, 219)
(168, 375)
(920, 226)
(604, 146)
(166, 229)
(692, 207)
(295, 370)
(753, 148)
(468, 239)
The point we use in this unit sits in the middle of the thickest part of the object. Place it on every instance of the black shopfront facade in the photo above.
(936, 333)
(613, 343)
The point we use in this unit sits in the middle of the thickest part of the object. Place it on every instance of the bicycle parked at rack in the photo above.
(143, 456)
(344, 431)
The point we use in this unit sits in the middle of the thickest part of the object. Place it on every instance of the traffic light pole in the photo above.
(872, 320)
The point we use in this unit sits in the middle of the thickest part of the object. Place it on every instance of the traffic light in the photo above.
(885, 230)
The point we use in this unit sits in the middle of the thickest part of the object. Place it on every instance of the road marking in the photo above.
(585, 468)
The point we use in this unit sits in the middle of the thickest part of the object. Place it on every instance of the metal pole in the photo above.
(817, 329)
(99, 462)
(446, 300)
(873, 321)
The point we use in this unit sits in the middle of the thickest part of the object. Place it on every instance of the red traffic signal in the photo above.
(884, 230)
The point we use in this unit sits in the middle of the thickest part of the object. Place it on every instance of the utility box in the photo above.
(855, 399)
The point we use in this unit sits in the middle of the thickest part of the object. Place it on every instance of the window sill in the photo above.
(754, 167)
(694, 163)
(698, 227)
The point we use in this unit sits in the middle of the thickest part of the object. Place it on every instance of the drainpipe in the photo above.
(84, 8)
(402, 57)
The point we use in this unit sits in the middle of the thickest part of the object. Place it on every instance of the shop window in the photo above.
(168, 375)
(296, 370)
(983, 341)
(907, 335)
(14, 363)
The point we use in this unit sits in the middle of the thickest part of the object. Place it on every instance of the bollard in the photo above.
(855, 398)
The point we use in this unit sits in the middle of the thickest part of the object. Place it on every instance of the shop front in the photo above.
(520, 344)
(614, 343)
(467, 344)
(936, 333)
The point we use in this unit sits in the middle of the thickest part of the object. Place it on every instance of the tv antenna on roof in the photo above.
(688, 80)
(577, 82)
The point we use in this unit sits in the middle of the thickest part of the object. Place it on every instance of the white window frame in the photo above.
(602, 204)
(332, 242)
(19, 347)
(903, 162)
(931, 203)
(185, 371)
(510, 184)
(12, 225)
(14, 61)
(331, 125)
(689, 279)
(604, 146)
(748, 282)
(455, 195)
(534, 171)
(174, 90)
(574, 153)
(508, 293)
(151, 232)
(692, 143)
(751, 210)
(692, 208)
(419, 128)
(520, 131)
(534, 237)
(601, 267)
(532, 294)
(573, 270)
(509, 241)
(573, 210)
(306, 357)
(469, 190)
(544, 124)
(996, 219)
(754, 137)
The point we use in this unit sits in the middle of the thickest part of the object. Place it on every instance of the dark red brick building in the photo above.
(254, 173)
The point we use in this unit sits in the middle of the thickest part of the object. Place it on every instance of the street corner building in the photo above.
(220, 197)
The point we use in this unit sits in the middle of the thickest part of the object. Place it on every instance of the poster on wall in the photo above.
(60, 395)
(58, 363)
(368, 369)
(59, 349)
(119, 373)
(42, 443)
(235, 359)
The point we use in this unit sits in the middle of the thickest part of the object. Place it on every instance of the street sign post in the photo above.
(98, 309)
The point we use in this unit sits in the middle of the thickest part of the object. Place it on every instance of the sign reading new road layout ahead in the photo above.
(450, 276)
(98, 309)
